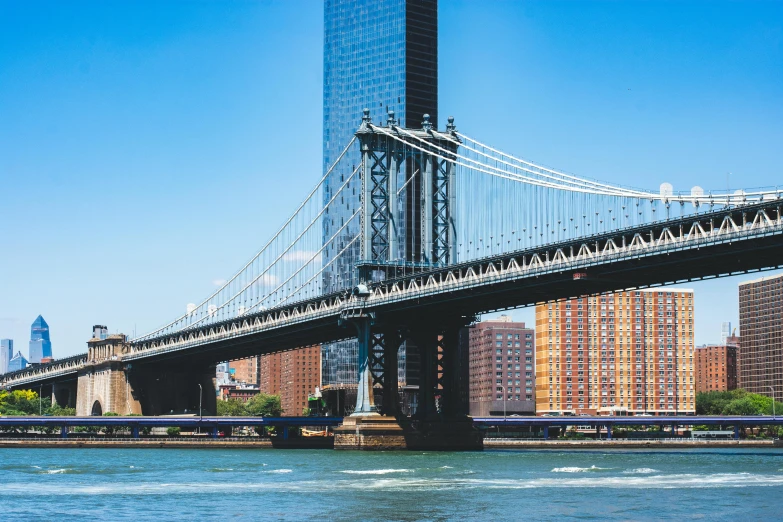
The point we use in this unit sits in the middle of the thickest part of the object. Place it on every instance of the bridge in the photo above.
(444, 228)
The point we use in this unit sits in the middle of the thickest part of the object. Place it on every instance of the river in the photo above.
(185, 484)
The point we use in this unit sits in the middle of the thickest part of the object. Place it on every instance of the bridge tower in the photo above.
(419, 231)
(401, 236)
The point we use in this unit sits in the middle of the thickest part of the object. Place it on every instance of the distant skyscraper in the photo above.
(100, 331)
(381, 55)
(40, 345)
(17, 362)
(6, 353)
(725, 332)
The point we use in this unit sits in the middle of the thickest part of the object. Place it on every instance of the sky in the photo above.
(148, 149)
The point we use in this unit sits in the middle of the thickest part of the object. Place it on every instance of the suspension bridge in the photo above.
(422, 230)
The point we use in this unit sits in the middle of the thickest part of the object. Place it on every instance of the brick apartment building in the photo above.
(761, 329)
(247, 371)
(293, 375)
(716, 366)
(624, 351)
(501, 368)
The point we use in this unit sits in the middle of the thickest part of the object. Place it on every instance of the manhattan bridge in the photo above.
(446, 227)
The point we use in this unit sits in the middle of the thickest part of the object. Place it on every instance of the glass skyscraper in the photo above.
(6, 353)
(40, 345)
(381, 55)
(17, 362)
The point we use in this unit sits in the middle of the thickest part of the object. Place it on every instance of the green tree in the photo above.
(173, 431)
(230, 408)
(264, 405)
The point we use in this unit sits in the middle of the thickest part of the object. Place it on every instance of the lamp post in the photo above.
(200, 412)
(773, 402)
(504, 400)
(40, 401)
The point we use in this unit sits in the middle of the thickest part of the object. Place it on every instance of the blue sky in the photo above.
(150, 148)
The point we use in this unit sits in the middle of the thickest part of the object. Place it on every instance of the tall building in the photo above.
(761, 328)
(501, 368)
(100, 331)
(247, 370)
(716, 367)
(725, 332)
(17, 362)
(271, 368)
(6, 353)
(629, 351)
(40, 345)
(381, 55)
(293, 375)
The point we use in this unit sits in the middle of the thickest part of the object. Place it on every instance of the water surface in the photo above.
(176, 484)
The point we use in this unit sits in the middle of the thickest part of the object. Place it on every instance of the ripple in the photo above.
(375, 471)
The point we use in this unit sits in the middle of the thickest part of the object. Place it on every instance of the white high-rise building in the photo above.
(725, 332)
(6, 354)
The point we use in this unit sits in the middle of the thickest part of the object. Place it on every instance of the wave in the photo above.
(405, 483)
(574, 469)
(641, 470)
(279, 471)
(56, 471)
(376, 471)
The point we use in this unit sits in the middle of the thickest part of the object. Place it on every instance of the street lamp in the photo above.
(504, 400)
(200, 412)
(773, 402)
(40, 401)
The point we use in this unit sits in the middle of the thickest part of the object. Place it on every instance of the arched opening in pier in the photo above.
(97, 410)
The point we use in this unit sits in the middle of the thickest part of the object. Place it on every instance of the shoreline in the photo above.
(489, 443)
(628, 444)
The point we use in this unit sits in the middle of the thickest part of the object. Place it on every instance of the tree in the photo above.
(264, 405)
(734, 402)
(230, 408)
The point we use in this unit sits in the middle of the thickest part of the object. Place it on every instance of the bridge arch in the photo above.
(97, 409)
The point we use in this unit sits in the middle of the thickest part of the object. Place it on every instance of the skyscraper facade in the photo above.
(381, 55)
(761, 331)
(6, 353)
(40, 345)
(630, 351)
(17, 362)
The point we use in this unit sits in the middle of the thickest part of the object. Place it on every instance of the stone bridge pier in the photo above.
(108, 384)
(64, 394)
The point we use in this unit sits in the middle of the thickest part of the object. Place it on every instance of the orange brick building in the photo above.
(629, 351)
(247, 371)
(293, 375)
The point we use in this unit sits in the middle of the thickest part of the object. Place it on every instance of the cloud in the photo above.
(218, 282)
(267, 280)
(302, 256)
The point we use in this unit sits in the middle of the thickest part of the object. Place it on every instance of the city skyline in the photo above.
(547, 105)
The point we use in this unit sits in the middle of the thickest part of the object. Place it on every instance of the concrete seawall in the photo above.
(628, 444)
(135, 443)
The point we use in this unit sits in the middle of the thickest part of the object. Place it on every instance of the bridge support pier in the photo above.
(366, 428)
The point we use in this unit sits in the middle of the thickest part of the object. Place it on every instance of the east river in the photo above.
(174, 484)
